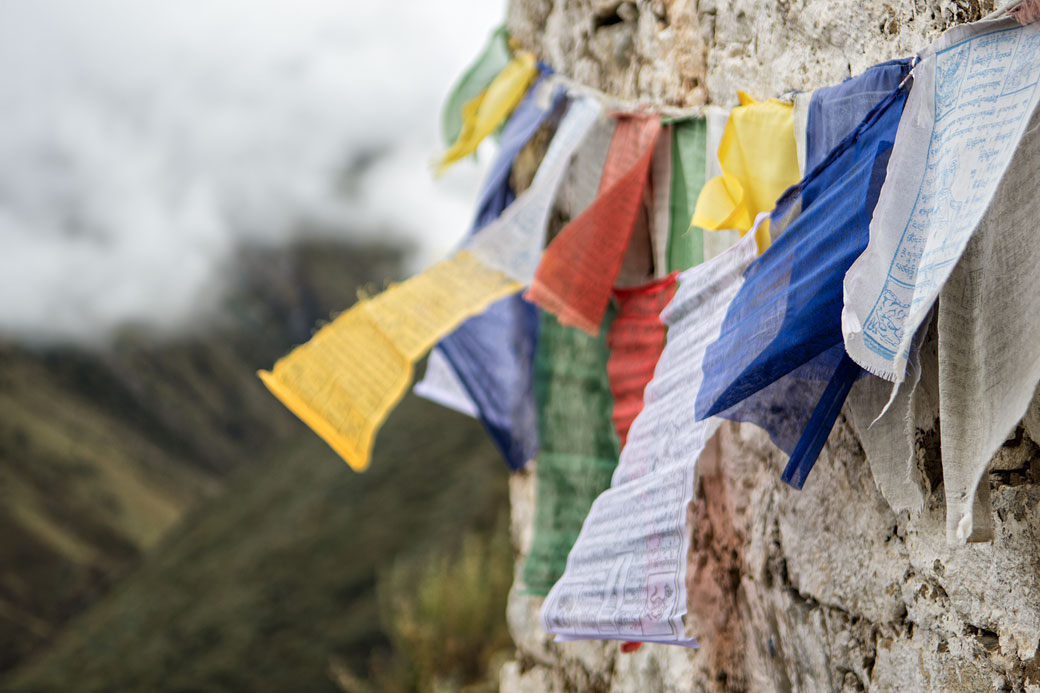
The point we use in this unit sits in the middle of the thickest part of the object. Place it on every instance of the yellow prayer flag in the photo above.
(484, 113)
(759, 161)
(346, 379)
(343, 383)
(416, 313)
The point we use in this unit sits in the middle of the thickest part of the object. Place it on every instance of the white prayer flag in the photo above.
(626, 575)
(513, 243)
(973, 93)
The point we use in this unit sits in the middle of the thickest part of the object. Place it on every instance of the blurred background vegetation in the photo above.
(167, 525)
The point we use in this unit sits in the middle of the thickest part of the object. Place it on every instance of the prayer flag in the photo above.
(491, 355)
(492, 59)
(716, 241)
(659, 203)
(974, 92)
(800, 114)
(513, 243)
(686, 242)
(544, 99)
(950, 220)
(485, 112)
(989, 341)
(779, 360)
(759, 161)
(888, 433)
(441, 386)
(835, 111)
(635, 340)
(626, 576)
(579, 449)
(829, 115)
(346, 379)
(343, 383)
(578, 269)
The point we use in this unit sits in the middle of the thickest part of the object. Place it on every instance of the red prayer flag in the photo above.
(635, 339)
(578, 269)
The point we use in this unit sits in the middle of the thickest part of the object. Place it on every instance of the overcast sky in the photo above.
(142, 141)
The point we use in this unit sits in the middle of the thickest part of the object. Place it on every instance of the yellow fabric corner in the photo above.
(721, 205)
(343, 383)
(484, 113)
(346, 379)
(759, 161)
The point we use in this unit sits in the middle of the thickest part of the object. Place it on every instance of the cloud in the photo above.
(145, 140)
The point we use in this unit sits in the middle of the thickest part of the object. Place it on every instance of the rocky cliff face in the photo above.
(826, 588)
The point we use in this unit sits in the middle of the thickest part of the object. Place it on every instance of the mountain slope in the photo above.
(259, 589)
(103, 451)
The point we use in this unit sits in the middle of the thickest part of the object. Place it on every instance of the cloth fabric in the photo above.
(492, 59)
(496, 362)
(801, 100)
(626, 577)
(637, 262)
(759, 161)
(974, 91)
(889, 435)
(835, 111)
(579, 449)
(542, 100)
(989, 341)
(578, 268)
(513, 243)
(779, 360)
(686, 242)
(345, 380)
(716, 241)
(441, 386)
(485, 112)
(491, 355)
(659, 207)
(635, 340)
(823, 119)
(978, 365)
(646, 252)
(440, 383)
(580, 185)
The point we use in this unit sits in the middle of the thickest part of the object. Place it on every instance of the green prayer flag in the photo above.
(685, 242)
(578, 448)
(495, 56)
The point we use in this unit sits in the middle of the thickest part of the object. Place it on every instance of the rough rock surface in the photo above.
(825, 589)
(685, 52)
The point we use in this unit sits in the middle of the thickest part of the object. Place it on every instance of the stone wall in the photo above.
(825, 589)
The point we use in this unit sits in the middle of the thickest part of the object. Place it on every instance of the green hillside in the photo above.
(261, 588)
(104, 452)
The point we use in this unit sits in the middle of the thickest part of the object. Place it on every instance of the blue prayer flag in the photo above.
(492, 354)
(779, 361)
(835, 111)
